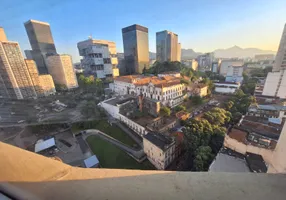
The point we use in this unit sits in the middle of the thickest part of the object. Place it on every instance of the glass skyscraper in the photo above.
(136, 48)
(42, 43)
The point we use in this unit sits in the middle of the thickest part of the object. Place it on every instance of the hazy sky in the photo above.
(203, 25)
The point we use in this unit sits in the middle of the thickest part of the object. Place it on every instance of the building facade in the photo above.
(205, 61)
(160, 149)
(99, 58)
(136, 48)
(47, 84)
(280, 59)
(60, 67)
(275, 84)
(42, 43)
(15, 80)
(226, 87)
(168, 89)
(234, 74)
(225, 64)
(167, 46)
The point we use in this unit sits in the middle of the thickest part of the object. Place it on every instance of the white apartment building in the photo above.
(160, 149)
(226, 87)
(175, 74)
(280, 60)
(234, 74)
(275, 84)
(168, 89)
(99, 58)
(60, 67)
(225, 64)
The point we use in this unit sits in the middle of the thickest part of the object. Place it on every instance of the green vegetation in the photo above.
(196, 100)
(204, 138)
(180, 108)
(90, 109)
(90, 84)
(165, 111)
(260, 72)
(240, 102)
(114, 131)
(112, 157)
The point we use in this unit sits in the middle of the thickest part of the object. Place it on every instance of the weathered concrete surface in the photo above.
(25, 175)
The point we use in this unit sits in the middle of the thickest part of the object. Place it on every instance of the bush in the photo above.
(197, 100)
(165, 111)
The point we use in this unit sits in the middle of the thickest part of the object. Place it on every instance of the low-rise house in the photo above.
(267, 111)
(170, 73)
(226, 87)
(160, 149)
(198, 89)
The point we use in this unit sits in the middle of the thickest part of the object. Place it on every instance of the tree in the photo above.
(229, 105)
(203, 157)
(217, 116)
(90, 109)
(165, 111)
(196, 100)
(179, 108)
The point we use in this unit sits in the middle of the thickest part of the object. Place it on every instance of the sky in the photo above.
(203, 25)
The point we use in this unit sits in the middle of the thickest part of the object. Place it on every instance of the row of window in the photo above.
(95, 55)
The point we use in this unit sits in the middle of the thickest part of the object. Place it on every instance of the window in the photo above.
(106, 60)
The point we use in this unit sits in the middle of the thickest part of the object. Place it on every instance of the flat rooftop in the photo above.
(228, 160)
(119, 100)
(161, 141)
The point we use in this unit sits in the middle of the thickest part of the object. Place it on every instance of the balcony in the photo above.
(25, 175)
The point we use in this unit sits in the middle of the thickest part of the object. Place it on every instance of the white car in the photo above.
(21, 121)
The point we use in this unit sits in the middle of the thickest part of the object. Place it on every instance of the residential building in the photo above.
(15, 80)
(47, 84)
(99, 58)
(34, 74)
(160, 149)
(205, 61)
(61, 69)
(42, 43)
(168, 89)
(267, 111)
(234, 74)
(275, 84)
(263, 57)
(179, 52)
(225, 64)
(226, 87)
(197, 89)
(280, 60)
(167, 46)
(195, 65)
(136, 48)
(215, 67)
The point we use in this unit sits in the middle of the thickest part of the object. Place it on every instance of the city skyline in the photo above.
(221, 27)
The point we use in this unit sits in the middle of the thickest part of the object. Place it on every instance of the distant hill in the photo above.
(236, 51)
(189, 54)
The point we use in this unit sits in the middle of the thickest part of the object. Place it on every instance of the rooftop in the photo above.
(256, 163)
(228, 160)
(161, 141)
(119, 100)
(36, 21)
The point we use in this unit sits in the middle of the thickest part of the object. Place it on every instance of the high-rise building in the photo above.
(280, 60)
(275, 84)
(99, 58)
(42, 43)
(43, 84)
(136, 48)
(179, 52)
(15, 80)
(60, 67)
(167, 46)
(205, 61)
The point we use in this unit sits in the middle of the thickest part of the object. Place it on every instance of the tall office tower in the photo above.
(136, 48)
(167, 46)
(179, 52)
(62, 71)
(2, 35)
(280, 60)
(15, 80)
(99, 58)
(42, 43)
